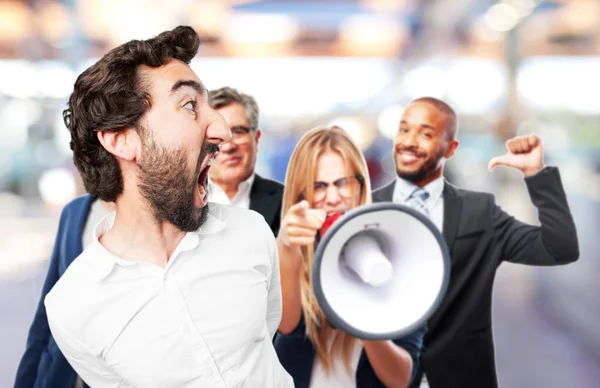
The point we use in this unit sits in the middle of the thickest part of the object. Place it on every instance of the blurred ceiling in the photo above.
(366, 28)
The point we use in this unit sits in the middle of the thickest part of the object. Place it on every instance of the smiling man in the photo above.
(458, 349)
(161, 298)
(232, 179)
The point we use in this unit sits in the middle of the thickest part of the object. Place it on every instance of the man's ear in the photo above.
(257, 136)
(124, 144)
(452, 146)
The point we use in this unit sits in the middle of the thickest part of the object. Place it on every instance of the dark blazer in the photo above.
(42, 364)
(265, 197)
(458, 348)
(297, 354)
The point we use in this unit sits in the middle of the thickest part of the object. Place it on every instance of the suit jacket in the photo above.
(43, 365)
(458, 348)
(297, 354)
(265, 197)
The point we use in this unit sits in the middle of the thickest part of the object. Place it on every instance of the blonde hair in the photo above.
(299, 179)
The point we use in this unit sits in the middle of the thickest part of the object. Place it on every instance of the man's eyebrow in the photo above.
(190, 84)
(422, 125)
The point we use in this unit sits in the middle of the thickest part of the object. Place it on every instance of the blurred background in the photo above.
(508, 67)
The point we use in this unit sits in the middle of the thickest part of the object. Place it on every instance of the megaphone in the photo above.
(380, 271)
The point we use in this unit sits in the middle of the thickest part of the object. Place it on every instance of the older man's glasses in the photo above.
(347, 187)
(241, 134)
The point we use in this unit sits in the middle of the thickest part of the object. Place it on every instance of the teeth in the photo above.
(211, 161)
(202, 192)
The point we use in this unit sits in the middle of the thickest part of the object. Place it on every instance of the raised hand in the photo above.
(525, 153)
(300, 224)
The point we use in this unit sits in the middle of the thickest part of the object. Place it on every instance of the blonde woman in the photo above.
(327, 173)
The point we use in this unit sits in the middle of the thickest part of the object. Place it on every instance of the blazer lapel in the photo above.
(452, 210)
(385, 194)
(73, 231)
(82, 216)
(259, 200)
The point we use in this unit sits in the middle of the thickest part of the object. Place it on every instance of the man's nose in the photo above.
(409, 140)
(218, 132)
(228, 147)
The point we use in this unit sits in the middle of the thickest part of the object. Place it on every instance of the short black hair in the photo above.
(452, 126)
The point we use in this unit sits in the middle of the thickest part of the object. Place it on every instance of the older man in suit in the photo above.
(232, 179)
(458, 349)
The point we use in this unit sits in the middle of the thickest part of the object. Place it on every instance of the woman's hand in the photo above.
(298, 228)
(301, 224)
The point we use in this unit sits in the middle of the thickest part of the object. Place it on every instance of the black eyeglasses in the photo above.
(346, 187)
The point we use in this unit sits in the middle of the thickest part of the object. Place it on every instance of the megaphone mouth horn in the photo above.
(363, 255)
(380, 271)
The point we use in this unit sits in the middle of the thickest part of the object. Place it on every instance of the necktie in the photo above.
(418, 201)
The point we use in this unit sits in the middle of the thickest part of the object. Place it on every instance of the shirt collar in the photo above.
(248, 182)
(103, 261)
(243, 185)
(403, 189)
(214, 220)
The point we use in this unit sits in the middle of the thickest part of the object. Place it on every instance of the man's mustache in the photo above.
(209, 148)
(411, 150)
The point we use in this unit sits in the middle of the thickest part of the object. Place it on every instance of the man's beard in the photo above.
(169, 188)
(428, 167)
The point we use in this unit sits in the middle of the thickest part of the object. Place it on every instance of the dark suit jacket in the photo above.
(42, 364)
(265, 198)
(297, 354)
(458, 348)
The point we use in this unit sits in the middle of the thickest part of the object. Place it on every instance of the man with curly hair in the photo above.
(161, 297)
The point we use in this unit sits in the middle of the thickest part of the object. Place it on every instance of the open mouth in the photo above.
(202, 182)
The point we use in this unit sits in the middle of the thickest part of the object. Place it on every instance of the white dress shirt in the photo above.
(241, 199)
(205, 320)
(96, 214)
(434, 204)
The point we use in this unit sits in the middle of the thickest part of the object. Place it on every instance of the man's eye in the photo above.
(191, 105)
